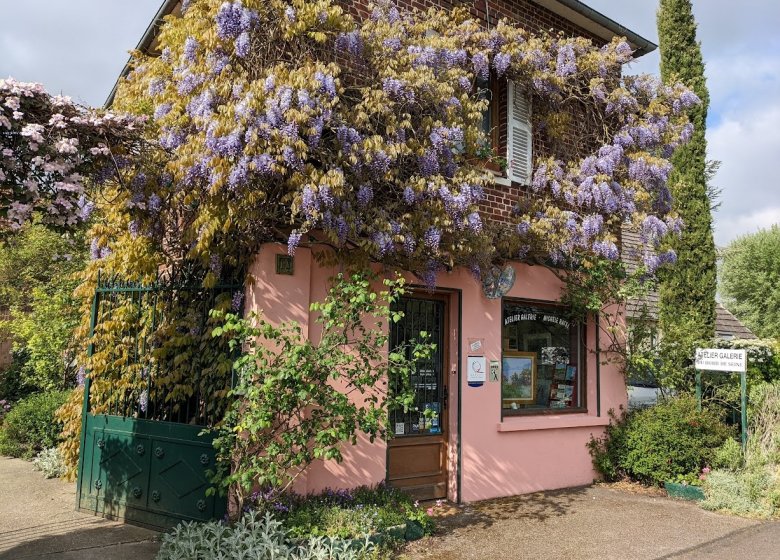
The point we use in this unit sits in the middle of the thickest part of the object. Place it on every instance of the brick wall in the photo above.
(500, 201)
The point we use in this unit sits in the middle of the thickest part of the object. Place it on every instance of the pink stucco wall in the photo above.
(498, 458)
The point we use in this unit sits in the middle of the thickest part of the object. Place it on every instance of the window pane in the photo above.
(483, 92)
(541, 359)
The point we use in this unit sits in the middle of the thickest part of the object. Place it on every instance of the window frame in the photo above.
(493, 86)
(582, 358)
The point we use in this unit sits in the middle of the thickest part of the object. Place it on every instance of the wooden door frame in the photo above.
(445, 295)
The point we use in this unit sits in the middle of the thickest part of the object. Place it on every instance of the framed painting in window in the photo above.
(518, 378)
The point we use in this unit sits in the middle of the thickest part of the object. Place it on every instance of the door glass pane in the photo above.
(425, 416)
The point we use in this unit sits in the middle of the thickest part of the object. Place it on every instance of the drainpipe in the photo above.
(598, 366)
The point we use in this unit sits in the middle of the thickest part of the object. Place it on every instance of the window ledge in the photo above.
(499, 178)
(550, 422)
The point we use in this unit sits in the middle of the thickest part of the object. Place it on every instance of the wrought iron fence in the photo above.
(152, 355)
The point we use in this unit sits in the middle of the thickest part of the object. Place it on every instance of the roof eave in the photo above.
(597, 23)
(573, 10)
(167, 7)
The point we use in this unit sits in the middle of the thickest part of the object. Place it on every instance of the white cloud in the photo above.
(730, 228)
(748, 144)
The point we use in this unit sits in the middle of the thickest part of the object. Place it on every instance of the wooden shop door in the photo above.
(417, 452)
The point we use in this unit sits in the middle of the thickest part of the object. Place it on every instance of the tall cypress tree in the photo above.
(687, 294)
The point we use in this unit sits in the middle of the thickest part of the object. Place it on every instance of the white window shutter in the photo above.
(519, 136)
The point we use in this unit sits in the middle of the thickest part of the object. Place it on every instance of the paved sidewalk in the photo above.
(38, 521)
(596, 523)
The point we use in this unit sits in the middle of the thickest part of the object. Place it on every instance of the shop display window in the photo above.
(542, 362)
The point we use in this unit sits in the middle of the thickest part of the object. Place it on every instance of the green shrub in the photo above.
(347, 514)
(751, 486)
(729, 456)
(50, 463)
(30, 426)
(609, 451)
(254, 536)
(665, 442)
(752, 492)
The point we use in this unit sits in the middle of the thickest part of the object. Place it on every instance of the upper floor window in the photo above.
(488, 89)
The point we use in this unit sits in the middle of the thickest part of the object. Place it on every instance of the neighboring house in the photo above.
(525, 427)
(727, 326)
(644, 392)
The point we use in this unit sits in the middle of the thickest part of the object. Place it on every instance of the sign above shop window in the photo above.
(543, 317)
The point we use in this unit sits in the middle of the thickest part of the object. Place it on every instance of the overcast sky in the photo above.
(78, 48)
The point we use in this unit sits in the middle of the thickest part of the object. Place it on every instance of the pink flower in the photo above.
(439, 503)
(429, 511)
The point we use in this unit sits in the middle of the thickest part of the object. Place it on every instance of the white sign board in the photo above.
(719, 359)
(477, 369)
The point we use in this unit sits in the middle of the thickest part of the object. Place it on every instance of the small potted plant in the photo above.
(687, 486)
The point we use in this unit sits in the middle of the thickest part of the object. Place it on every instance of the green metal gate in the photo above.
(144, 456)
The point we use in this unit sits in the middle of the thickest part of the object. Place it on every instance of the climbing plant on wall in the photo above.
(290, 121)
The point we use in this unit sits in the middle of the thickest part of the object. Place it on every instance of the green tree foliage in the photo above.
(37, 277)
(687, 305)
(750, 281)
(297, 400)
(30, 427)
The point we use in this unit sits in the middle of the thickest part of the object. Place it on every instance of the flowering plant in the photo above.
(49, 148)
(289, 120)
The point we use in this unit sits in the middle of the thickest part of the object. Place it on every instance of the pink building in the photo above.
(516, 389)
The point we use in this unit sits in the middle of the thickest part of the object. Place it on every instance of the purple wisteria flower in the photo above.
(566, 62)
(156, 86)
(292, 242)
(624, 51)
(396, 89)
(237, 300)
(364, 195)
(289, 13)
(155, 203)
(606, 249)
(591, 225)
(428, 163)
(190, 49)
(432, 238)
(501, 63)
(392, 43)
(242, 44)
(188, 82)
(481, 66)
(350, 42)
(215, 265)
(161, 110)
(171, 138)
(143, 400)
(383, 242)
(233, 19)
